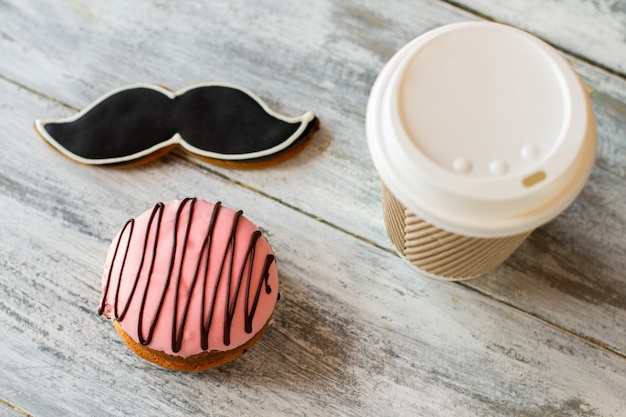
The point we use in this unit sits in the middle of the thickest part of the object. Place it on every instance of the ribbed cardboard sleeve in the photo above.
(440, 253)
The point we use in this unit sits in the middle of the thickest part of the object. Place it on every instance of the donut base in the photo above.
(194, 363)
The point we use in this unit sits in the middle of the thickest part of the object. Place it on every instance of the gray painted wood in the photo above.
(357, 331)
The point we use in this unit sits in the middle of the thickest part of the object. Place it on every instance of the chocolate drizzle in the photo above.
(203, 269)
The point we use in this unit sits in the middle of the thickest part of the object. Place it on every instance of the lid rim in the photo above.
(394, 169)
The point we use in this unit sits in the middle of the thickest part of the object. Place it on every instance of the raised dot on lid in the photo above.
(529, 152)
(462, 165)
(498, 167)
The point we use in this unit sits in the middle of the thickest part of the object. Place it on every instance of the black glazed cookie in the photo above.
(219, 122)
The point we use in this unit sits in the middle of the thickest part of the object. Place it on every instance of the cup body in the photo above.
(480, 133)
(439, 253)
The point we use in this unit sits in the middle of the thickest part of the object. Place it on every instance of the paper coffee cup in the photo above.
(480, 133)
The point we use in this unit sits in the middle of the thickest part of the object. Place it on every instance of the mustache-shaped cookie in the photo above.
(220, 122)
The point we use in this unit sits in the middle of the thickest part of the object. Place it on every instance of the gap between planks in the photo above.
(15, 407)
(592, 341)
(37, 93)
(207, 169)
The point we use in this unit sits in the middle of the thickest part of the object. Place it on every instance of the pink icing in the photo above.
(122, 269)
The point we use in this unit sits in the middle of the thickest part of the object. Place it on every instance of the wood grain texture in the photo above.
(357, 331)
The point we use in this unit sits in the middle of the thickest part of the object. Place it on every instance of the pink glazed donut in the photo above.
(189, 285)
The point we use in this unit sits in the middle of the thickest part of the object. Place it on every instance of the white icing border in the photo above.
(304, 120)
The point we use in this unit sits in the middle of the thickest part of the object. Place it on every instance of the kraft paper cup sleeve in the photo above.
(439, 253)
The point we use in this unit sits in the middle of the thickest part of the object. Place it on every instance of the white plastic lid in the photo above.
(481, 129)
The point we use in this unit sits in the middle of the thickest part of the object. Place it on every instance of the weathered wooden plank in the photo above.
(594, 30)
(355, 333)
(317, 171)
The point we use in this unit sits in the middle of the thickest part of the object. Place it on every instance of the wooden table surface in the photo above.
(357, 331)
